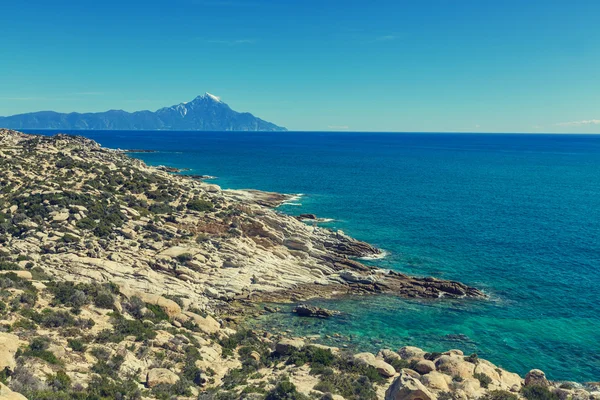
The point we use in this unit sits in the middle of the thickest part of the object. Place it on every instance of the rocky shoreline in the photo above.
(165, 264)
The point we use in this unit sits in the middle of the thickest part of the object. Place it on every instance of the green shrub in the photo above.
(60, 381)
(156, 313)
(316, 356)
(538, 392)
(200, 205)
(38, 348)
(285, 390)
(77, 345)
(432, 356)
(483, 379)
(9, 266)
(68, 238)
(185, 257)
(104, 300)
(500, 395)
(397, 363)
(473, 358)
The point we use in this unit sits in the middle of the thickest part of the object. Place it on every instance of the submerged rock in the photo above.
(304, 310)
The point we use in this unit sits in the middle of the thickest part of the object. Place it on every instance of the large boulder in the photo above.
(158, 376)
(7, 394)
(169, 306)
(406, 387)
(455, 365)
(9, 344)
(424, 366)
(436, 381)
(536, 377)
(384, 369)
(410, 353)
(472, 388)
(288, 346)
(207, 324)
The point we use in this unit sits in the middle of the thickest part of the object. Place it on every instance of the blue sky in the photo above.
(420, 65)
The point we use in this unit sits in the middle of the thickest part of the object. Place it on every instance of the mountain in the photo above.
(204, 113)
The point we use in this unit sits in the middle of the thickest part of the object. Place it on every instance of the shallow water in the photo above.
(515, 215)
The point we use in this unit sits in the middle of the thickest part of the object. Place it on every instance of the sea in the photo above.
(515, 215)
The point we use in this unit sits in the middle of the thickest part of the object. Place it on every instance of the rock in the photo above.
(159, 376)
(355, 277)
(296, 243)
(489, 369)
(303, 217)
(9, 344)
(410, 353)
(384, 369)
(21, 274)
(455, 366)
(304, 310)
(406, 387)
(388, 354)
(471, 387)
(63, 216)
(510, 380)
(7, 394)
(13, 209)
(454, 352)
(169, 306)
(536, 377)
(334, 350)
(128, 233)
(211, 292)
(424, 367)
(255, 355)
(288, 346)
(436, 380)
(207, 324)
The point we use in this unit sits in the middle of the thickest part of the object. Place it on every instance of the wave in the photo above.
(293, 200)
(379, 256)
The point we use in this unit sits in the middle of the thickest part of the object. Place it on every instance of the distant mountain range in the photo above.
(204, 113)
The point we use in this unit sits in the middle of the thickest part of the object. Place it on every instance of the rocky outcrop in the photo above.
(9, 344)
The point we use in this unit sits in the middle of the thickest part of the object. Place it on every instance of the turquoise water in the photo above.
(515, 215)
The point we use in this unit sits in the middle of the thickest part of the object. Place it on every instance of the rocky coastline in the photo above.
(164, 266)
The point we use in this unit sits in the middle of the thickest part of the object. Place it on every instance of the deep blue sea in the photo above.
(515, 215)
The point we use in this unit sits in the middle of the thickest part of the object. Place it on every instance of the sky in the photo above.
(409, 66)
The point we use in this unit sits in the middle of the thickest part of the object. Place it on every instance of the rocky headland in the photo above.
(120, 280)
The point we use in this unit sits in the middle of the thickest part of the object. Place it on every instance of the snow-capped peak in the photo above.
(212, 96)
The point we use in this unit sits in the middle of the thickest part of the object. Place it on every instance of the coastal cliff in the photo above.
(121, 280)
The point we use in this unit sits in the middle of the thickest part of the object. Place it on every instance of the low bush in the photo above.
(39, 348)
(538, 392)
(200, 205)
(483, 379)
(500, 395)
(77, 345)
(285, 390)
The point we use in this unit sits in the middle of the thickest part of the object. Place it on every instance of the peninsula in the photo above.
(121, 280)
